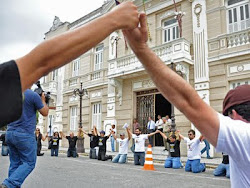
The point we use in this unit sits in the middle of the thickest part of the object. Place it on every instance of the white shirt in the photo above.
(193, 147)
(159, 124)
(234, 139)
(123, 145)
(151, 125)
(169, 120)
(140, 142)
(114, 130)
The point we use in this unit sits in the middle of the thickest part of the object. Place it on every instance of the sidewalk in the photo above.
(157, 157)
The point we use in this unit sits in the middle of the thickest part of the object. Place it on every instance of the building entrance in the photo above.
(151, 103)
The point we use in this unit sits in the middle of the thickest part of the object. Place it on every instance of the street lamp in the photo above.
(173, 124)
(80, 142)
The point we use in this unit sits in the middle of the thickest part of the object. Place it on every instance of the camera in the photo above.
(39, 91)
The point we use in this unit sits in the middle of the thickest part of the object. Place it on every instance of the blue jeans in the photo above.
(5, 150)
(120, 158)
(71, 152)
(112, 143)
(173, 162)
(139, 158)
(206, 148)
(22, 148)
(54, 152)
(195, 166)
(222, 170)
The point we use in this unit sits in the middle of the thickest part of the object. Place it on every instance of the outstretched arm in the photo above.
(174, 88)
(129, 135)
(44, 137)
(56, 52)
(152, 134)
(62, 134)
(162, 134)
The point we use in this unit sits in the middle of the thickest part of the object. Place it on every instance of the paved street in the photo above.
(83, 172)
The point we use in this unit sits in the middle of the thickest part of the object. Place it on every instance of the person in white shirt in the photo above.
(194, 155)
(159, 126)
(112, 130)
(121, 157)
(139, 153)
(168, 119)
(150, 129)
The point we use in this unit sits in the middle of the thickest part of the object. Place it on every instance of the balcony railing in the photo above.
(178, 50)
(228, 41)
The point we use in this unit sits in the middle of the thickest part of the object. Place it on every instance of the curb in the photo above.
(158, 161)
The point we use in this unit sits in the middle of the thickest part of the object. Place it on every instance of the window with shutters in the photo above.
(238, 15)
(98, 58)
(73, 118)
(170, 30)
(97, 115)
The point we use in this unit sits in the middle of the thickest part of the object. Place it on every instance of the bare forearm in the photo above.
(181, 94)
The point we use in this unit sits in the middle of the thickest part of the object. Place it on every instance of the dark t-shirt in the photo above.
(55, 142)
(39, 139)
(225, 159)
(72, 142)
(174, 148)
(2, 138)
(102, 142)
(93, 140)
(10, 93)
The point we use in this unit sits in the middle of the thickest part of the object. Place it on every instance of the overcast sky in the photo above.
(24, 22)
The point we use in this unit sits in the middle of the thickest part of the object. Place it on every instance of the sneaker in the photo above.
(209, 157)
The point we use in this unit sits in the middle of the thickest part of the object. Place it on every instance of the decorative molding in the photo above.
(96, 94)
(56, 23)
(197, 11)
(238, 69)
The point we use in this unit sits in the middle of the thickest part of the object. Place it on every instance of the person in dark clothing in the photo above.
(55, 144)
(72, 144)
(223, 169)
(102, 140)
(93, 143)
(5, 148)
(173, 161)
(39, 139)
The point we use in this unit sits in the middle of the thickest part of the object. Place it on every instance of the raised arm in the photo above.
(113, 134)
(58, 51)
(62, 134)
(44, 137)
(152, 134)
(129, 133)
(174, 88)
(95, 131)
(162, 134)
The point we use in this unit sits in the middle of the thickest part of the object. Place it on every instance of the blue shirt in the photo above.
(27, 123)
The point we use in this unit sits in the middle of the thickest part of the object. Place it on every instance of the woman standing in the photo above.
(39, 139)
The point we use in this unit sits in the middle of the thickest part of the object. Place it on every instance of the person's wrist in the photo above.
(113, 21)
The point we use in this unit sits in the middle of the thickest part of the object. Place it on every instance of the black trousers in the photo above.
(158, 139)
(102, 155)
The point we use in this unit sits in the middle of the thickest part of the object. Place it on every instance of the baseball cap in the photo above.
(239, 95)
(122, 134)
(102, 132)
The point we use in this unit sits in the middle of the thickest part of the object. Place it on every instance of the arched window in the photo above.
(170, 30)
(238, 15)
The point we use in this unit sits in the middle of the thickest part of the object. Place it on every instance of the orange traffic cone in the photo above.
(148, 165)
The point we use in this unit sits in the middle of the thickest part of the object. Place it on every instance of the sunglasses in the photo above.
(190, 134)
